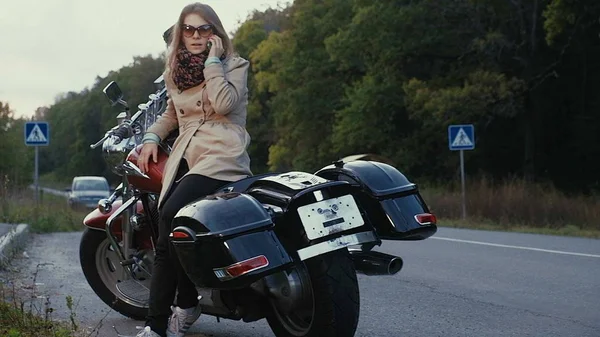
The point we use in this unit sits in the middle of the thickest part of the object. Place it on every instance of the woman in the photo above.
(207, 90)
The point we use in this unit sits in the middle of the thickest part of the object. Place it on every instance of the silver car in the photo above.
(86, 191)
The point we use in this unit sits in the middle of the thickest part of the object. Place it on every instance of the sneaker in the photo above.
(147, 332)
(181, 320)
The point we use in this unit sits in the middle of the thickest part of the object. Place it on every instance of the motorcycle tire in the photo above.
(335, 298)
(92, 244)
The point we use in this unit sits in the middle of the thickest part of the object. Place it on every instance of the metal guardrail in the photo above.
(51, 191)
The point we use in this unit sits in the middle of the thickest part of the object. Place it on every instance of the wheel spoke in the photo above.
(112, 260)
(111, 271)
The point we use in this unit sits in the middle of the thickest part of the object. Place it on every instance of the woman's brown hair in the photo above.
(208, 14)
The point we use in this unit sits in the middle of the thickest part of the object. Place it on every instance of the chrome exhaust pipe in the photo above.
(376, 263)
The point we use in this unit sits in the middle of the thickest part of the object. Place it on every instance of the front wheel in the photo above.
(101, 268)
(330, 303)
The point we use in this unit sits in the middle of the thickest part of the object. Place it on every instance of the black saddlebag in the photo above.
(393, 204)
(227, 241)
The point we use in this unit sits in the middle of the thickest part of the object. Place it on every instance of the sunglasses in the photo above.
(203, 31)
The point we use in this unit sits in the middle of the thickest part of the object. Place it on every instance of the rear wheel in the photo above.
(100, 265)
(329, 303)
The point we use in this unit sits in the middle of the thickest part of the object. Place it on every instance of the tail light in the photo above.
(241, 268)
(182, 233)
(426, 219)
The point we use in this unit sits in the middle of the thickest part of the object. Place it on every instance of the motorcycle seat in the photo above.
(243, 184)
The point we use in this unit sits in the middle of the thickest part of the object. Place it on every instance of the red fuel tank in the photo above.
(155, 171)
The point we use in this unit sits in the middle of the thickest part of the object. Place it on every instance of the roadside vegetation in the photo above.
(24, 313)
(507, 205)
(52, 214)
(515, 205)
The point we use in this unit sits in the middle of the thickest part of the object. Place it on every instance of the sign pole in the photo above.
(37, 133)
(35, 177)
(35, 181)
(462, 179)
(460, 138)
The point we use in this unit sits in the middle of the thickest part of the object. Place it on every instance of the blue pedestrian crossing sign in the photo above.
(37, 133)
(461, 137)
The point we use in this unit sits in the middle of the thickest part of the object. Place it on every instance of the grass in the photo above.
(52, 214)
(514, 205)
(16, 322)
(17, 319)
(26, 313)
(509, 205)
(53, 180)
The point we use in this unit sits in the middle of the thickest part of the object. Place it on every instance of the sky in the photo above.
(49, 47)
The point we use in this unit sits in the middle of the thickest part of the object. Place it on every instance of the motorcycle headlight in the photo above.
(115, 153)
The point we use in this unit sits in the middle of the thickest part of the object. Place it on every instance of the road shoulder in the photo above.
(13, 237)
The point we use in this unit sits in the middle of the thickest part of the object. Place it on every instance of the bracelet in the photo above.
(212, 60)
(150, 138)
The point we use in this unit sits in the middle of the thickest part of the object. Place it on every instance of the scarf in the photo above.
(190, 70)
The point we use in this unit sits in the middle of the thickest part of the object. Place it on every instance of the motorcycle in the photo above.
(281, 246)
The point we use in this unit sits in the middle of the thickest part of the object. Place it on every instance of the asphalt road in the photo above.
(460, 283)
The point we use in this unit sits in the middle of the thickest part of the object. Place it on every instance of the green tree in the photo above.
(17, 162)
(335, 77)
(259, 122)
(79, 119)
(296, 69)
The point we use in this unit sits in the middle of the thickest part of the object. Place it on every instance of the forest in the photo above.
(331, 78)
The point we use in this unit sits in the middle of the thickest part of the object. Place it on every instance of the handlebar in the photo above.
(108, 134)
(120, 132)
(124, 129)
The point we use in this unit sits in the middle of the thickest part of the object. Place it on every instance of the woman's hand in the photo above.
(217, 46)
(149, 150)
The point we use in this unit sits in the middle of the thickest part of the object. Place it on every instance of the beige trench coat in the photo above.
(211, 118)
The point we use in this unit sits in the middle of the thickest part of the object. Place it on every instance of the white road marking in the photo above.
(515, 247)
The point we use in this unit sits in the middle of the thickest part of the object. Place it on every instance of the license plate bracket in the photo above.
(330, 216)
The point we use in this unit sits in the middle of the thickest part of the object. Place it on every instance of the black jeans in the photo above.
(168, 275)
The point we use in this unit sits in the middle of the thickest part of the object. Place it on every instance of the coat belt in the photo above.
(198, 122)
(191, 124)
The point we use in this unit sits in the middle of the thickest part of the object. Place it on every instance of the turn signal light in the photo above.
(241, 268)
(426, 219)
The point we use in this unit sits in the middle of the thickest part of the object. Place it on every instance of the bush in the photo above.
(514, 202)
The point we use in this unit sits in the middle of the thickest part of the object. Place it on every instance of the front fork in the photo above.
(127, 210)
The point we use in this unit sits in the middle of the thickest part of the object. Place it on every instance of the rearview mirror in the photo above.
(114, 93)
